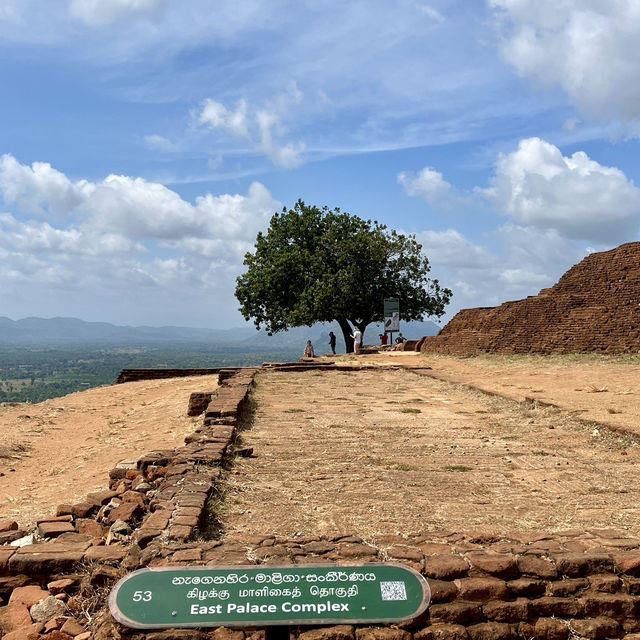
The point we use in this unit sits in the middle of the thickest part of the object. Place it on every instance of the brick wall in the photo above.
(135, 375)
(594, 307)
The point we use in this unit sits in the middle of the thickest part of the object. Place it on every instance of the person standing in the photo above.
(332, 342)
(357, 339)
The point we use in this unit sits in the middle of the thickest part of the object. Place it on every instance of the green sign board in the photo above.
(267, 595)
(391, 306)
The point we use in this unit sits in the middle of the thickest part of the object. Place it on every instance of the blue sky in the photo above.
(144, 143)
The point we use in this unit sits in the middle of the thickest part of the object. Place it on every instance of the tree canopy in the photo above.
(319, 265)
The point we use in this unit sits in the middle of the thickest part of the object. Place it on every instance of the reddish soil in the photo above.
(59, 450)
(372, 451)
(378, 452)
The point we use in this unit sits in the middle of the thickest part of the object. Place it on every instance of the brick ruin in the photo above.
(594, 307)
(156, 512)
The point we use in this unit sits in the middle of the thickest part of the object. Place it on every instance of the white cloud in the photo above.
(105, 12)
(451, 248)
(39, 188)
(589, 48)
(122, 236)
(428, 184)
(261, 127)
(158, 143)
(580, 198)
(217, 116)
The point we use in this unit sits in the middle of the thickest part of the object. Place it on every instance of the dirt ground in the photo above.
(388, 451)
(373, 451)
(599, 388)
(59, 450)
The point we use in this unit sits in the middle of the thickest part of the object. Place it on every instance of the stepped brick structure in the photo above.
(594, 307)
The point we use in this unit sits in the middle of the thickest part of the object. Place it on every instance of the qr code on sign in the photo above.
(393, 591)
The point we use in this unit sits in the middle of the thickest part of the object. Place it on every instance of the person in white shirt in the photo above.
(357, 339)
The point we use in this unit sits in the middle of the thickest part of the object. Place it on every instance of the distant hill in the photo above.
(59, 332)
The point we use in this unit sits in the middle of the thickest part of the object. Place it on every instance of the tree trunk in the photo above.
(346, 334)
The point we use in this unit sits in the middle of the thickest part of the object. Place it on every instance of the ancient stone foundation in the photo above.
(159, 510)
(594, 307)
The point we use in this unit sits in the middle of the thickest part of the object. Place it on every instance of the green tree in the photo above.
(319, 265)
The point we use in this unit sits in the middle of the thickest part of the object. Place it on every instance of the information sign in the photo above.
(391, 306)
(391, 314)
(260, 596)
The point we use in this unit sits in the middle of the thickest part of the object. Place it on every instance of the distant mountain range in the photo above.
(60, 332)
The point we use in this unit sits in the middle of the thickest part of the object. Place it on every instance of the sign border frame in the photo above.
(124, 620)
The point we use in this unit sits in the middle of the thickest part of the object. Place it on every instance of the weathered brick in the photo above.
(513, 611)
(112, 554)
(610, 605)
(551, 629)
(189, 521)
(456, 612)
(398, 552)
(126, 512)
(62, 585)
(28, 595)
(492, 631)
(338, 632)
(498, 564)
(595, 628)
(580, 564)
(319, 547)
(442, 590)
(78, 510)
(567, 587)
(537, 566)
(91, 528)
(47, 558)
(526, 587)
(605, 582)
(24, 633)
(54, 529)
(552, 606)
(368, 633)
(14, 616)
(98, 498)
(224, 633)
(482, 589)
(442, 631)
(628, 562)
(355, 550)
(5, 555)
(180, 532)
(187, 555)
(446, 567)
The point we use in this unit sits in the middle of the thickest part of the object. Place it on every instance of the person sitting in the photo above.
(308, 350)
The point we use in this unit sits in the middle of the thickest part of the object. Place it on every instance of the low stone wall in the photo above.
(575, 584)
(135, 375)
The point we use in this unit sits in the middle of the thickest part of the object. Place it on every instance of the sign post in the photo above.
(391, 316)
(268, 596)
